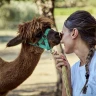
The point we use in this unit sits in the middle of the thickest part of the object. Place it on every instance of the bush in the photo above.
(15, 13)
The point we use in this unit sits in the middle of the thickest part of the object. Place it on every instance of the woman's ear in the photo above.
(15, 41)
(74, 33)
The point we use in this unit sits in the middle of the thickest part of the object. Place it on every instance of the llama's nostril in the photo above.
(60, 34)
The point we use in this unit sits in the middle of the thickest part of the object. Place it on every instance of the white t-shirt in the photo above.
(78, 78)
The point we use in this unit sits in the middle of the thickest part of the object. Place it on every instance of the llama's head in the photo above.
(31, 32)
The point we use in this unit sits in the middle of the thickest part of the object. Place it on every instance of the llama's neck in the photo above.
(14, 73)
(29, 57)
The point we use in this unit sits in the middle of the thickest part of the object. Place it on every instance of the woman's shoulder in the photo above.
(93, 62)
(75, 65)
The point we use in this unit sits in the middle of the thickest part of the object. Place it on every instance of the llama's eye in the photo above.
(39, 35)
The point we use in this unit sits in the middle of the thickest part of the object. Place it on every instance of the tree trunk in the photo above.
(46, 8)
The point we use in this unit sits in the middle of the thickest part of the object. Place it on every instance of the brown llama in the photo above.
(12, 74)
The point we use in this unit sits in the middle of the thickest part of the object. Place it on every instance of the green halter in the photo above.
(43, 42)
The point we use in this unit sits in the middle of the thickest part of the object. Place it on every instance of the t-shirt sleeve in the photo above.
(73, 69)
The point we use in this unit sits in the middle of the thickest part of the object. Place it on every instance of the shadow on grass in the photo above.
(44, 89)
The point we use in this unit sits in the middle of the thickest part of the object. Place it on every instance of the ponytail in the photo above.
(88, 60)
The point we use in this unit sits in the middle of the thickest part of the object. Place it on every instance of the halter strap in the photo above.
(43, 42)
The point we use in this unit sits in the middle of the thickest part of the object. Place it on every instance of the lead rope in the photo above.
(65, 79)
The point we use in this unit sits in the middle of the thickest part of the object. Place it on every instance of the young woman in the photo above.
(79, 37)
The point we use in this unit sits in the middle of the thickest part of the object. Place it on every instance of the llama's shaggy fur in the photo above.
(12, 74)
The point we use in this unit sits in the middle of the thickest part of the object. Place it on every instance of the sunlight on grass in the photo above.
(68, 11)
(60, 21)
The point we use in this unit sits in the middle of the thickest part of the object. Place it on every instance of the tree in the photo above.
(46, 8)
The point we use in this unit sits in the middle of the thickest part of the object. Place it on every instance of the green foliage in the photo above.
(2, 2)
(15, 13)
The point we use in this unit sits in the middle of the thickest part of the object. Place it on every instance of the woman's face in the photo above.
(67, 40)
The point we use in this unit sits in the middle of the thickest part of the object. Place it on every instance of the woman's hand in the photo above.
(61, 60)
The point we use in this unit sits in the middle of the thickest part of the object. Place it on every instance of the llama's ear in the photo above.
(15, 41)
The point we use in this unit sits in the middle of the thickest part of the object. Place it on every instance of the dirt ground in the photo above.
(43, 80)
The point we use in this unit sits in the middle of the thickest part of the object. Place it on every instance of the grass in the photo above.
(68, 11)
(60, 21)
